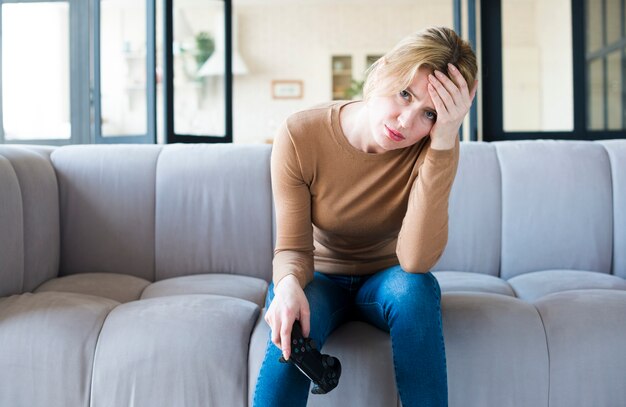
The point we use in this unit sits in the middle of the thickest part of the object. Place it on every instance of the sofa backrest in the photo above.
(29, 219)
(107, 200)
(617, 154)
(163, 211)
(475, 210)
(214, 210)
(557, 206)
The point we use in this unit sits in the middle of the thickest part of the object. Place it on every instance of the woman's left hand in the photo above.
(452, 103)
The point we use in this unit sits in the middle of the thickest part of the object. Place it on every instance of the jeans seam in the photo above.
(263, 365)
(437, 292)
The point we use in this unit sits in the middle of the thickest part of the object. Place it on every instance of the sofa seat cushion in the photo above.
(586, 332)
(495, 346)
(47, 345)
(360, 348)
(247, 288)
(189, 350)
(118, 287)
(450, 281)
(531, 286)
(495, 349)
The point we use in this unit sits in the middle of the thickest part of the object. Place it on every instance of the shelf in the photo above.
(345, 72)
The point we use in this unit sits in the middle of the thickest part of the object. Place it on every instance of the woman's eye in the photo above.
(431, 115)
(405, 95)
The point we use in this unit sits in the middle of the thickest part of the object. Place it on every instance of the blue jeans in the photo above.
(408, 306)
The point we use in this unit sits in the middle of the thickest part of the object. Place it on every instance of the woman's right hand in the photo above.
(289, 304)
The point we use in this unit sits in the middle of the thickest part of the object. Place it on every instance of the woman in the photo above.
(361, 192)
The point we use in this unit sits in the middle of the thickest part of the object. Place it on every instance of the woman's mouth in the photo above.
(394, 135)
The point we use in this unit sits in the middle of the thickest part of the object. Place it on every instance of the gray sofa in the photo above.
(136, 276)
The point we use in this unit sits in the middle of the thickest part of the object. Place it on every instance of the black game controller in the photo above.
(322, 370)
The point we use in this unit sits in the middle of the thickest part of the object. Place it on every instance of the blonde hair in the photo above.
(432, 47)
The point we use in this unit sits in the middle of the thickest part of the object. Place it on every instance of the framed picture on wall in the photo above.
(287, 89)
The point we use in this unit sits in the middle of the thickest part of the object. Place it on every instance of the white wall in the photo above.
(295, 40)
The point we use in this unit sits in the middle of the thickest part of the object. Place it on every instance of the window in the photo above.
(556, 80)
(605, 53)
(123, 77)
(35, 71)
(198, 71)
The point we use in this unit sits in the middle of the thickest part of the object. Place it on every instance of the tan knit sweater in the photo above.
(340, 210)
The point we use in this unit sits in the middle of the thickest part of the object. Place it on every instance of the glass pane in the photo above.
(537, 65)
(35, 71)
(199, 87)
(594, 24)
(123, 67)
(296, 40)
(613, 21)
(596, 95)
(614, 90)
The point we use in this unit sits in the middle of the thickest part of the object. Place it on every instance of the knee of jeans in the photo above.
(420, 287)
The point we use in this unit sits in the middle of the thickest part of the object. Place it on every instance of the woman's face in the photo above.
(401, 120)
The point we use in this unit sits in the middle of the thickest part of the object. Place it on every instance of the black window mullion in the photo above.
(579, 62)
(168, 69)
(491, 47)
(471, 33)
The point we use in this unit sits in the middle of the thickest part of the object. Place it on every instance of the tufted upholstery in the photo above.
(136, 275)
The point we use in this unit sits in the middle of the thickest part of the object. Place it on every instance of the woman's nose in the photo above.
(405, 119)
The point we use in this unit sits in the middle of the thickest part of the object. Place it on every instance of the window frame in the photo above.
(491, 45)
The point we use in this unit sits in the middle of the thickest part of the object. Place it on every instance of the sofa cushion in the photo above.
(617, 154)
(247, 288)
(214, 211)
(496, 351)
(557, 210)
(39, 194)
(475, 213)
(450, 281)
(585, 330)
(11, 231)
(531, 286)
(495, 346)
(47, 345)
(361, 348)
(107, 196)
(118, 287)
(187, 350)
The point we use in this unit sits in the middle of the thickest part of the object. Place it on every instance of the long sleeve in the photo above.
(424, 231)
(293, 253)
